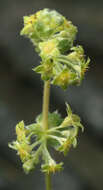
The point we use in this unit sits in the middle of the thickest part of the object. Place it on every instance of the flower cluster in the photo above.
(62, 64)
(33, 141)
(53, 36)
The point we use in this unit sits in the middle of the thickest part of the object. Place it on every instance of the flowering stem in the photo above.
(46, 96)
(48, 181)
(46, 104)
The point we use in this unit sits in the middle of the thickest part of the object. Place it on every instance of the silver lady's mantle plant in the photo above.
(62, 64)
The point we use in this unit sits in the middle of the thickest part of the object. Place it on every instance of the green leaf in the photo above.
(38, 69)
(64, 45)
(54, 119)
(69, 111)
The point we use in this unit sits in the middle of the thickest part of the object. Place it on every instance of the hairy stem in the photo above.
(45, 123)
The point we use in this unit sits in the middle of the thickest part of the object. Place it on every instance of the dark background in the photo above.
(21, 95)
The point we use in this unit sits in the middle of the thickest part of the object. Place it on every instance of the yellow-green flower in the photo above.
(52, 167)
(42, 25)
(77, 58)
(71, 119)
(45, 69)
(49, 49)
(64, 78)
(53, 36)
(28, 25)
(65, 147)
(23, 150)
(20, 131)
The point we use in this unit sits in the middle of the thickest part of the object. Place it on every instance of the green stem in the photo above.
(46, 104)
(48, 181)
(45, 123)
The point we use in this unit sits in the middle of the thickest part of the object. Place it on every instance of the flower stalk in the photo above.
(46, 96)
(48, 181)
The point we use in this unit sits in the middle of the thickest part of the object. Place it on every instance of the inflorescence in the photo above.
(62, 64)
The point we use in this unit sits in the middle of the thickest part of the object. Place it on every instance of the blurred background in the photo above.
(21, 95)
